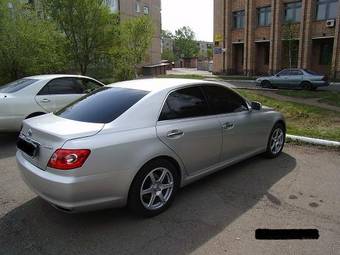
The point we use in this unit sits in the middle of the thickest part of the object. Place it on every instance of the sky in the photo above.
(197, 14)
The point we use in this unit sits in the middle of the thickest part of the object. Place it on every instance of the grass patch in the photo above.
(237, 77)
(200, 77)
(302, 119)
(328, 97)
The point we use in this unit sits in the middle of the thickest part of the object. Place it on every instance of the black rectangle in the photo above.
(286, 234)
(29, 148)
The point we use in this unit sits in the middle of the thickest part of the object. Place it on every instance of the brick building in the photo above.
(132, 8)
(257, 36)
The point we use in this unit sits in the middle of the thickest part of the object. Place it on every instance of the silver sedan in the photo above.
(294, 78)
(135, 143)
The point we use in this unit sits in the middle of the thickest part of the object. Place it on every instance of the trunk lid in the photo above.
(51, 132)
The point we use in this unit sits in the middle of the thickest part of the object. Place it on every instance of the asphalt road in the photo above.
(217, 215)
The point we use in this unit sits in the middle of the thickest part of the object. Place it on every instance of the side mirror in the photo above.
(256, 106)
(277, 75)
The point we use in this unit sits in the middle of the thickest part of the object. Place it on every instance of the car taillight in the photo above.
(67, 159)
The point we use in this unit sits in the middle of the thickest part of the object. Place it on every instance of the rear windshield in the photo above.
(310, 72)
(103, 105)
(16, 85)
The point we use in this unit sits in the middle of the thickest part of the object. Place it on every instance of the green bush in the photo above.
(28, 44)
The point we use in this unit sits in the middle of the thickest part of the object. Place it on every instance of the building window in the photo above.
(113, 5)
(138, 6)
(326, 9)
(292, 12)
(146, 10)
(264, 16)
(238, 18)
(326, 52)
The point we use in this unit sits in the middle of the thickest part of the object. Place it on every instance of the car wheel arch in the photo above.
(266, 82)
(305, 82)
(35, 114)
(168, 158)
(282, 123)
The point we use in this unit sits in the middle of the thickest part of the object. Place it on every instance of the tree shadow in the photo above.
(200, 212)
(8, 144)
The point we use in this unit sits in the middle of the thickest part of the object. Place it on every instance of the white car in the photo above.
(37, 95)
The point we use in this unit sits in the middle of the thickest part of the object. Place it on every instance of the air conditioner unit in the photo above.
(330, 23)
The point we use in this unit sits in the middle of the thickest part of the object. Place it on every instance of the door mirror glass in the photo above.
(256, 106)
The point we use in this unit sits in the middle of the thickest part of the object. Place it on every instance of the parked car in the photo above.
(37, 95)
(294, 78)
(137, 142)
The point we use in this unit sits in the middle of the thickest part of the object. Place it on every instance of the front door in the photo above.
(242, 131)
(186, 127)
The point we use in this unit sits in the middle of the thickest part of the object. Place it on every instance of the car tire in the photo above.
(307, 86)
(149, 195)
(266, 84)
(276, 141)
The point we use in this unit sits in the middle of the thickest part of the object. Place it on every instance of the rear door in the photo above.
(243, 130)
(60, 92)
(66, 90)
(296, 77)
(186, 126)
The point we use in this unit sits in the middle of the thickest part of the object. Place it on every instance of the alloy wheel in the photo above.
(277, 141)
(157, 188)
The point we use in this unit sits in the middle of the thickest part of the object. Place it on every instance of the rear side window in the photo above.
(90, 85)
(284, 72)
(63, 86)
(185, 103)
(223, 100)
(296, 72)
(15, 86)
(103, 105)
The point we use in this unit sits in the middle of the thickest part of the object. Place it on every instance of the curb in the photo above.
(313, 141)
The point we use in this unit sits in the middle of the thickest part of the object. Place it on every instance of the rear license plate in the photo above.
(30, 148)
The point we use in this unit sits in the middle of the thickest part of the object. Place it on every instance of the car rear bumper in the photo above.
(69, 193)
(320, 83)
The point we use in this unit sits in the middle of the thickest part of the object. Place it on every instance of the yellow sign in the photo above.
(218, 38)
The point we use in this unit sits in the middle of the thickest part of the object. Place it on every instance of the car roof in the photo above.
(54, 76)
(158, 84)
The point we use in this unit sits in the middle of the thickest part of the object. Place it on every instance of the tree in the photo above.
(166, 34)
(168, 55)
(28, 44)
(131, 46)
(88, 25)
(209, 53)
(185, 44)
(290, 43)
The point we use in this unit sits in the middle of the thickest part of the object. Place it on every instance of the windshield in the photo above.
(16, 85)
(103, 105)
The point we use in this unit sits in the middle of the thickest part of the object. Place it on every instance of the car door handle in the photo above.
(228, 125)
(45, 100)
(174, 133)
